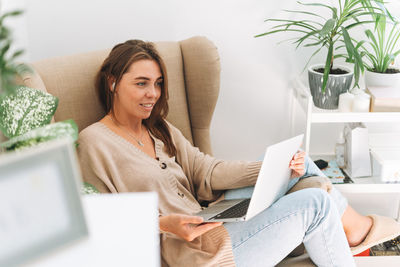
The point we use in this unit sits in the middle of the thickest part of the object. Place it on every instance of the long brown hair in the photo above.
(121, 57)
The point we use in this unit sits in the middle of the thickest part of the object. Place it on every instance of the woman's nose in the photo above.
(152, 91)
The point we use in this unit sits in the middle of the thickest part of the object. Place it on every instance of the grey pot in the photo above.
(337, 84)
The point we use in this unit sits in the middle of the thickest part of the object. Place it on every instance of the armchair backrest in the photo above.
(193, 71)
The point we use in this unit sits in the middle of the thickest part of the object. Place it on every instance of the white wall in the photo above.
(253, 107)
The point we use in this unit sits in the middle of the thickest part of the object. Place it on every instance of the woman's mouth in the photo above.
(148, 106)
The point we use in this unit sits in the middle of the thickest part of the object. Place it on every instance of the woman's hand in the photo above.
(297, 164)
(185, 226)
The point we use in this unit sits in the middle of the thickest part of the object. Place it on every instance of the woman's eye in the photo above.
(141, 84)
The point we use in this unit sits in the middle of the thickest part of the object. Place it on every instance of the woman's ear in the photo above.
(111, 84)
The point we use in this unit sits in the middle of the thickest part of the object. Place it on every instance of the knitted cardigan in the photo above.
(113, 165)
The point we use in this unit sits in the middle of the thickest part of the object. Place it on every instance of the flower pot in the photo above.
(336, 85)
(375, 79)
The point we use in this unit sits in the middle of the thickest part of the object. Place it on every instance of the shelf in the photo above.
(334, 116)
(317, 115)
(363, 184)
(368, 185)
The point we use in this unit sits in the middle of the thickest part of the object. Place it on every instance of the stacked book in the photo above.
(384, 99)
(388, 248)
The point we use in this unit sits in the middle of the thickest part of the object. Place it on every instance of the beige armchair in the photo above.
(193, 71)
(193, 77)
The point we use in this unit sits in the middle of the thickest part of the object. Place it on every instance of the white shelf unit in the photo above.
(364, 184)
(314, 115)
(302, 95)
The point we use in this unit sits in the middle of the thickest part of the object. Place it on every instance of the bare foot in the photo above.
(358, 230)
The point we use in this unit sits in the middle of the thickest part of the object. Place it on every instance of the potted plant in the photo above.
(9, 69)
(328, 81)
(380, 51)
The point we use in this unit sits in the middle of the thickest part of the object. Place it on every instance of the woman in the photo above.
(134, 149)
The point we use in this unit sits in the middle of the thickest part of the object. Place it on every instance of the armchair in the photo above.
(193, 75)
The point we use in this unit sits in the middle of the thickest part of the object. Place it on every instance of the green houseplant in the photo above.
(330, 33)
(380, 50)
(8, 66)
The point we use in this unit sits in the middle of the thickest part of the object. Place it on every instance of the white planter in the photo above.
(374, 79)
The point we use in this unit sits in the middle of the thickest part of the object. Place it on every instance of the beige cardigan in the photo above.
(112, 164)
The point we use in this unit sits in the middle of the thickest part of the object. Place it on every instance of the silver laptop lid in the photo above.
(40, 207)
(274, 175)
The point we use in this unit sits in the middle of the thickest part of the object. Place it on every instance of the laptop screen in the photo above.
(40, 207)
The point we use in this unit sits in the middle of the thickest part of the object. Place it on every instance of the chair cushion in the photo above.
(72, 80)
(202, 77)
(178, 108)
(31, 79)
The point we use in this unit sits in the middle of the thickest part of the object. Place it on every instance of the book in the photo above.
(388, 248)
(384, 99)
(336, 174)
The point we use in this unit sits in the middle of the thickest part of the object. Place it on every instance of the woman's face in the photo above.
(138, 90)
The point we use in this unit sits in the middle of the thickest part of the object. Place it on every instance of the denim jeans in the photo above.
(310, 216)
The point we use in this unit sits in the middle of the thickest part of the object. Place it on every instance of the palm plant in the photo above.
(383, 48)
(331, 33)
(8, 67)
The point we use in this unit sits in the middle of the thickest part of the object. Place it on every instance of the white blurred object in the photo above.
(385, 99)
(386, 165)
(123, 232)
(346, 102)
(361, 102)
(385, 141)
(357, 157)
(46, 213)
(340, 151)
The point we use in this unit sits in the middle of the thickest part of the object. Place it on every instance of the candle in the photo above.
(361, 103)
(346, 102)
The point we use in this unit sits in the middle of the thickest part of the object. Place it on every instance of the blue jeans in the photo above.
(310, 216)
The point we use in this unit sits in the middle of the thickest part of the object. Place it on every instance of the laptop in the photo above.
(40, 208)
(272, 183)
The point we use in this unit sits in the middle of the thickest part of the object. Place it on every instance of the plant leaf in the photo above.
(348, 43)
(328, 27)
(327, 69)
(63, 129)
(316, 4)
(24, 110)
(303, 12)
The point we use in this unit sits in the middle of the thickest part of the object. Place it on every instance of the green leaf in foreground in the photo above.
(64, 129)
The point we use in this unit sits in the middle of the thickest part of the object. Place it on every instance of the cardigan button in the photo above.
(181, 194)
(163, 165)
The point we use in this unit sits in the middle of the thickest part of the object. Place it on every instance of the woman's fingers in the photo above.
(297, 160)
(297, 164)
(294, 164)
(186, 226)
(202, 228)
(190, 219)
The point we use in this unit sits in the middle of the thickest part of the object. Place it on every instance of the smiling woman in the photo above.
(135, 96)
(134, 149)
(132, 87)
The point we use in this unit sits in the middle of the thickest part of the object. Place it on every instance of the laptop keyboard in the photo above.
(236, 211)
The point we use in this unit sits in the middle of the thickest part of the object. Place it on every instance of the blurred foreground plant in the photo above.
(9, 69)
